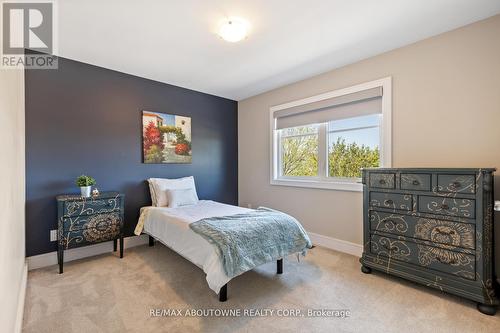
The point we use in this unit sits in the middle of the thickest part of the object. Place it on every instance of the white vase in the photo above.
(86, 191)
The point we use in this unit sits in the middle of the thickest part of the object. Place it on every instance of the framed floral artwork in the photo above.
(166, 138)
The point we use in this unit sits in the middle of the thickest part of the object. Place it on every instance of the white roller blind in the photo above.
(360, 103)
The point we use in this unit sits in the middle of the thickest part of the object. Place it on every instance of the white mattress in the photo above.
(171, 227)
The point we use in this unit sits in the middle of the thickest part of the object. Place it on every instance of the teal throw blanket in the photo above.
(245, 241)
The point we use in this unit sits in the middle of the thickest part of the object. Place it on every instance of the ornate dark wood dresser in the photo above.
(434, 227)
(85, 221)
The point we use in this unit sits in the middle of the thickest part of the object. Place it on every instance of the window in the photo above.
(353, 143)
(299, 151)
(324, 141)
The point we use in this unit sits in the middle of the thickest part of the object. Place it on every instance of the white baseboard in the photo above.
(21, 298)
(49, 259)
(336, 244)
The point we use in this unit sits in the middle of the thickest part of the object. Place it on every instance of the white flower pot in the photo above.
(86, 191)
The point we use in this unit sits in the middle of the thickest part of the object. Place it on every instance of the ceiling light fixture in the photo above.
(234, 29)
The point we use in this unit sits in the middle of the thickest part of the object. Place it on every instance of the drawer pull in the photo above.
(391, 248)
(416, 182)
(456, 184)
(381, 181)
(445, 207)
(388, 202)
(439, 231)
(444, 261)
(394, 222)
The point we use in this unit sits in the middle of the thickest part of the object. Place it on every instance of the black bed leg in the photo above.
(223, 293)
(279, 266)
(151, 241)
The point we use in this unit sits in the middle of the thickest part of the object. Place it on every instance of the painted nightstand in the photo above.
(86, 221)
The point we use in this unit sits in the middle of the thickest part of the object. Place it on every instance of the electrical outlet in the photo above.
(53, 235)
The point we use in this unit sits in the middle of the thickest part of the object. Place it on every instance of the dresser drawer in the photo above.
(446, 261)
(415, 181)
(456, 183)
(451, 234)
(447, 206)
(382, 180)
(391, 200)
(91, 221)
(91, 206)
(97, 232)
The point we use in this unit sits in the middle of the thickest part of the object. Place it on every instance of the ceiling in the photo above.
(175, 41)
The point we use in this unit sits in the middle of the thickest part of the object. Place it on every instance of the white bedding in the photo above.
(171, 227)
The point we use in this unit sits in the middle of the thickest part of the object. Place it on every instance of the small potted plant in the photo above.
(85, 183)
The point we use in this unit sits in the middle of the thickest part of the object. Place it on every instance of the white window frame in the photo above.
(323, 181)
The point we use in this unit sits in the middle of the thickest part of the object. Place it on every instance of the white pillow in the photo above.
(152, 192)
(181, 197)
(161, 185)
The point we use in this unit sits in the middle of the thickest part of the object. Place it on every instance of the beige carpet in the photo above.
(106, 294)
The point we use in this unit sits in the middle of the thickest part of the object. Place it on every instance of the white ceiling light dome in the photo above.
(234, 29)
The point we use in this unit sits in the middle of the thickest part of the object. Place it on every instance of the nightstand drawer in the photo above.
(456, 183)
(447, 206)
(101, 233)
(91, 206)
(382, 180)
(449, 233)
(416, 181)
(450, 262)
(391, 200)
(91, 221)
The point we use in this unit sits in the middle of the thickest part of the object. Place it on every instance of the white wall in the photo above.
(446, 113)
(12, 199)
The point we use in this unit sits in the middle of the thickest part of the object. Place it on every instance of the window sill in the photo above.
(325, 185)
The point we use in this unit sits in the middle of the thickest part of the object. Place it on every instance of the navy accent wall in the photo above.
(86, 119)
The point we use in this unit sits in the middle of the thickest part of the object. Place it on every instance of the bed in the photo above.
(182, 229)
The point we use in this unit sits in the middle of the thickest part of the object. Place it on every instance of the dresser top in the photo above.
(78, 197)
(433, 169)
